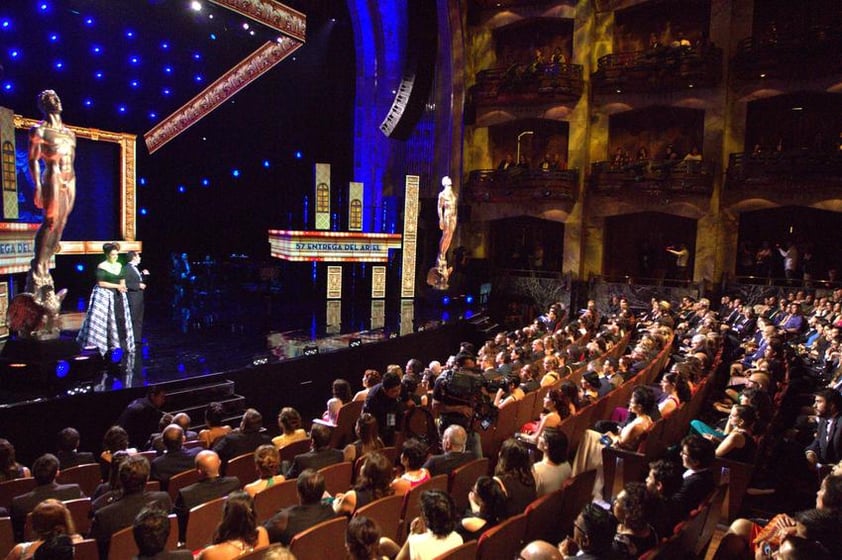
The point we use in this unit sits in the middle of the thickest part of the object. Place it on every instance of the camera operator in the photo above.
(456, 394)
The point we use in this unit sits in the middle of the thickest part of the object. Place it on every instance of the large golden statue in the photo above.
(438, 276)
(55, 192)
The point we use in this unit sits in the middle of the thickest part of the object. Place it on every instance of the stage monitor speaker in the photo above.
(311, 350)
(419, 70)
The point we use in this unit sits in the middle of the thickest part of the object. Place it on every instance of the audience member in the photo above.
(140, 417)
(115, 439)
(662, 483)
(697, 456)
(540, 550)
(371, 377)
(553, 468)
(267, 461)
(310, 511)
(151, 530)
(362, 539)
(10, 469)
(289, 421)
(593, 534)
(514, 473)
(183, 419)
(826, 448)
(238, 533)
(383, 403)
(210, 486)
(175, 459)
(45, 470)
(367, 438)
(68, 454)
(341, 395)
(413, 457)
(216, 430)
(488, 507)
(433, 533)
(320, 454)
(374, 482)
(49, 518)
(453, 444)
(245, 440)
(634, 533)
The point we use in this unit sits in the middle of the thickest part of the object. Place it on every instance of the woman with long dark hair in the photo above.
(367, 438)
(107, 323)
(488, 506)
(374, 483)
(514, 474)
(238, 533)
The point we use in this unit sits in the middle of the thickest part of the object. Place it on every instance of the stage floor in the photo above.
(230, 329)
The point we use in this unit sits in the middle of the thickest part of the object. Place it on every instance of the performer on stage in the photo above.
(135, 285)
(55, 190)
(107, 324)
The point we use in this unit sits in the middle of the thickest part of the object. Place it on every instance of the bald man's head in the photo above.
(208, 463)
(173, 437)
(540, 550)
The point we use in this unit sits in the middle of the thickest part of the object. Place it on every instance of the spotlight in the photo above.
(196, 6)
(58, 64)
(80, 267)
(469, 299)
(99, 74)
(5, 24)
(143, 211)
(298, 155)
(205, 182)
(62, 369)
(116, 355)
(43, 6)
(129, 34)
(142, 180)
(165, 45)
(355, 343)
(235, 173)
(167, 69)
(246, 26)
(14, 53)
(89, 21)
(166, 91)
(445, 300)
(266, 163)
(53, 37)
(153, 115)
(96, 49)
(182, 189)
(8, 86)
(311, 350)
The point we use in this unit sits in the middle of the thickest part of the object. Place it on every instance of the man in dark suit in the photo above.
(453, 442)
(290, 521)
(151, 529)
(175, 459)
(135, 285)
(245, 440)
(826, 448)
(140, 418)
(68, 443)
(210, 486)
(610, 379)
(697, 456)
(320, 455)
(134, 473)
(44, 470)
(593, 533)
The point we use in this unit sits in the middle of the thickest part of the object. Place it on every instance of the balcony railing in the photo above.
(522, 185)
(528, 84)
(688, 177)
(786, 56)
(661, 69)
(784, 170)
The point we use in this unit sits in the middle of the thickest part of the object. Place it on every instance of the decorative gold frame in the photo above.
(128, 186)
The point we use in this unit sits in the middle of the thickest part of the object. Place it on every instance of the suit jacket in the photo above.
(290, 521)
(23, 504)
(693, 491)
(446, 462)
(239, 443)
(829, 450)
(200, 492)
(67, 459)
(121, 514)
(172, 463)
(314, 460)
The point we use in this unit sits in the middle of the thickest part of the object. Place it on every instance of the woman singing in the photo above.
(107, 323)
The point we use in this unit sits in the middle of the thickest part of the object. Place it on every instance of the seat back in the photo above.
(343, 433)
(288, 452)
(524, 410)
(277, 496)
(503, 541)
(7, 536)
(706, 534)
(578, 492)
(337, 477)
(86, 550)
(466, 551)
(11, 488)
(462, 479)
(242, 466)
(201, 523)
(538, 406)
(123, 545)
(180, 480)
(386, 512)
(320, 541)
(543, 517)
(87, 476)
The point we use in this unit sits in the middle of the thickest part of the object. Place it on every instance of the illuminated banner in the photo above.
(332, 246)
(17, 247)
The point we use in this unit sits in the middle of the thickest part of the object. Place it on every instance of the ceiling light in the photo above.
(196, 6)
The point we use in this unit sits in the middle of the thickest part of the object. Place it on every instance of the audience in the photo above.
(553, 468)
(249, 437)
(175, 459)
(320, 454)
(311, 510)
(210, 486)
(341, 391)
(413, 456)
(216, 430)
(68, 454)
(367, 438)
(267, 461)
(238, 533)
(151, 530)
(362, 539)
(374, 482)
(45, 469)
(453, 444)
(49, 518)
(488, 506)
(432, 534)
(10, 469)
(289, 421)
(593, 534)
(514, 473)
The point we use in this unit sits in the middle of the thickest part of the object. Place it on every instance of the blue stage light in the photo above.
(89, 21)
(80, 267)
(117, 384)
(43, 7)
(58, 64)
(213, 36)
(121, 109)
(153, 115)
(96, 49)
(99, 74)
(134, 84)
(235, 172)
(88, 102)
(445, 316)
(134, 59)
(198, 78)
(165, 45)
(142, 181)
(8, 86)
(129, 34)
(53, 37)
(14, 53)
(62, 369)
(205, 182)
(167, 69)
(445, 300)
(182, 189)
(143, 211)
(266, 164)
(116, 355)
(166, 91)
(197, 56)
(469, 299)
(298, 155)
(5, 23)
(468, 314)
(181, 368)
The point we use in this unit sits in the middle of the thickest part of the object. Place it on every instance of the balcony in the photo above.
(680, 177)
(524, 84)
(784, 172)
(522, 185)
(812, 54)
(658, 70)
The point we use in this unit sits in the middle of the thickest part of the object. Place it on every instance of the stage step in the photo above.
(193, 400)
